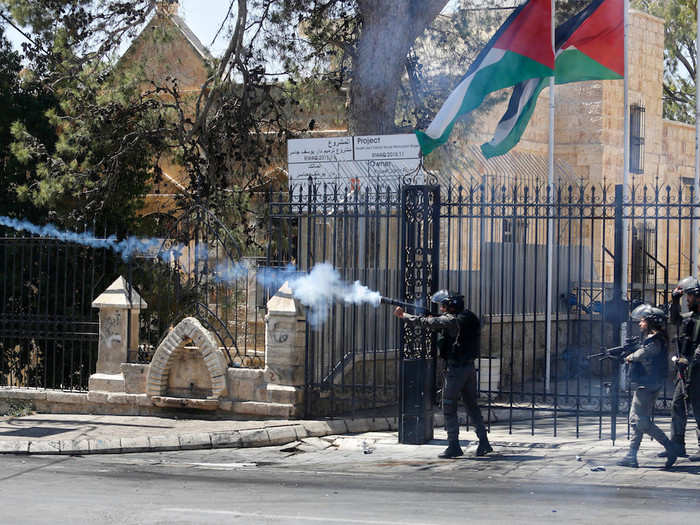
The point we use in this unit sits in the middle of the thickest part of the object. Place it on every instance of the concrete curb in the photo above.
(264, 436)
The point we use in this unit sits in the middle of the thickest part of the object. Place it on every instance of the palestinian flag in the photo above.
(593, 44)
(590, 46)
(521, 49)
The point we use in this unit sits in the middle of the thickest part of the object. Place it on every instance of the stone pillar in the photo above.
(119, 307)
(285, 347)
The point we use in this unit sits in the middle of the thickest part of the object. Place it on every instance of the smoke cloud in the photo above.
(318, 290)
(322, 287)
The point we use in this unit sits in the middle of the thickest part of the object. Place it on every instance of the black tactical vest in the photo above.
(463, 349)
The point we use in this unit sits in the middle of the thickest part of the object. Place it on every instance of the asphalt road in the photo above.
(316, 485)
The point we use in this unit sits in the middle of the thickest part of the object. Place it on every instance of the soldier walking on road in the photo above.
(687, 386)
(458, 340)
(648, 367)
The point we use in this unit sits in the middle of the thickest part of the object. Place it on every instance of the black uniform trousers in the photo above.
(679, 405)
(460, 381)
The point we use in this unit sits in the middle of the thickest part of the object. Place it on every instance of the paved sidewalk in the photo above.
(365, 446)
(520, 457)
(99, 434)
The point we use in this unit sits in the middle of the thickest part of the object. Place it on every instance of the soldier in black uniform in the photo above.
(458, 340)
(687, 389)
(647, 373)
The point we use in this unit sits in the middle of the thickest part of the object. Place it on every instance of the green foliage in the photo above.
(680, 59)
(24, 102)
(85, 148)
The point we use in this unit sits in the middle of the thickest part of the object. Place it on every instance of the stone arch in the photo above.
(189, 327)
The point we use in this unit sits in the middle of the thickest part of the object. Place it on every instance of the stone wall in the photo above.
(679, 150)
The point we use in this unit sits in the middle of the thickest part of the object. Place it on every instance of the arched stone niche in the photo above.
(171, 351)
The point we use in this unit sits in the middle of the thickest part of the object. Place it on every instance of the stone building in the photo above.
(589, 136)
(168, 49)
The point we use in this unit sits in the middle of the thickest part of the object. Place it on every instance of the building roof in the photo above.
(191, 38)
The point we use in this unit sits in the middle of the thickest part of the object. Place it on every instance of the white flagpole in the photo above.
(626, 175)
(696, 181)
(550, 224)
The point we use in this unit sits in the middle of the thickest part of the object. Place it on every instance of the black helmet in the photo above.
(690, 285)
(450, 300)
(655, 317)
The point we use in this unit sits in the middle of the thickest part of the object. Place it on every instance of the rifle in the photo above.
(617, 352)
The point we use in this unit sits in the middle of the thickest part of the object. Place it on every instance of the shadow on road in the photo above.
(496, 456)
(38, 467)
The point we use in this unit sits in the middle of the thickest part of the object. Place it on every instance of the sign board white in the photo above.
(386, 147)
(319, 150)
(353, 162)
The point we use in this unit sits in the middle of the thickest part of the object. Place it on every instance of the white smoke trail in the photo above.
(317, 290)
(228, 273)
(125, 248)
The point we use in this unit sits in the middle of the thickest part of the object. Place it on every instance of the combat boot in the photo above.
(453, 450)
(630, 460)
(681, 451)
(484, 447)
(673, 450)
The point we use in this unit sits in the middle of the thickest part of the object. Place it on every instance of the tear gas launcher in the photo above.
(415, 308)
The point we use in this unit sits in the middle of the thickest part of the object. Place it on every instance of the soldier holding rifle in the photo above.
(458, 340)
(687, 388)
(648, 367)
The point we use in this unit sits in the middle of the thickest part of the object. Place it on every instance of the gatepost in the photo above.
(419, 276)
(119, 307)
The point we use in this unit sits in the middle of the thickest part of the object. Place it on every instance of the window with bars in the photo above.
(520, 233)
(643, 253)
(637, 139)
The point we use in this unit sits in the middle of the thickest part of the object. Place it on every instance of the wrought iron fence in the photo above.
(494, 250)
(48, 330)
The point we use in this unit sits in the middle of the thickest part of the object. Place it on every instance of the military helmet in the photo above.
(690, 285)
(440, 296)
(655, 317)
(449, 299)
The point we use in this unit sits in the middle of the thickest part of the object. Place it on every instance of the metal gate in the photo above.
(420, 268)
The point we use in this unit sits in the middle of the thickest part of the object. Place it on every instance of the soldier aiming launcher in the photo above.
(437, 298)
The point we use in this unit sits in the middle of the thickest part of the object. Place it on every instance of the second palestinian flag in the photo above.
(590, 46)
(521, 49)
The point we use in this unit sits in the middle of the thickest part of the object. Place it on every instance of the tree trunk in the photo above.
(389, 28)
